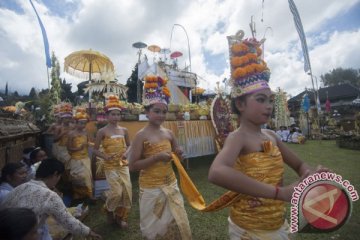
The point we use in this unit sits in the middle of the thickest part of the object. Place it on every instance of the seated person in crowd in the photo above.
(18, 224)
(297, 137)
(12, 175)
(38, 196)
(283, 133)
(32, 156)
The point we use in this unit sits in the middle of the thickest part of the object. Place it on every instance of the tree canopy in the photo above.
(339, 76)
(131, 83)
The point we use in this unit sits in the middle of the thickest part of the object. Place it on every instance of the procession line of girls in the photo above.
(71, 148)
(250, 164)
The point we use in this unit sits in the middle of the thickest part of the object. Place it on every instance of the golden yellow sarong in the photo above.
(80, 170)
(162, 212)
(119, 196)
(264, 166)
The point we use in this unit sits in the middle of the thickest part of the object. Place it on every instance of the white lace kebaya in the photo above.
(36, 196)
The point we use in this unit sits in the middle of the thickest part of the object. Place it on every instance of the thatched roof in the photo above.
(10, 128)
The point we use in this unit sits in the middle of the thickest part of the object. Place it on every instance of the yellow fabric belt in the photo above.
(195, 198)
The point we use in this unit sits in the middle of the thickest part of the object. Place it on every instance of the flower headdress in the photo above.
(113, 103)
(249, 73)
(155, 90)
(80, 114)
(65, 110)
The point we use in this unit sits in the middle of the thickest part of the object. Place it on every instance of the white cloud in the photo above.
(111, 27)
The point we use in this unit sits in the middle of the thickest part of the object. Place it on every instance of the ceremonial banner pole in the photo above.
(46, 43)
(300, 30)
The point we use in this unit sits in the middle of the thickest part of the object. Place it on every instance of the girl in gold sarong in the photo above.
(251, 160)
(80, 165)
(61, 134)
(115, 141)
(162, 212)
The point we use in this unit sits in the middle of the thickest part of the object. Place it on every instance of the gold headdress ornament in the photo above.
(65, 110)
(249, 73)
(113, 103)
(155, 90)
(80, 114)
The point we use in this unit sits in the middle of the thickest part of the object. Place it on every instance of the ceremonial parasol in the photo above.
(165, 51)
(139, 45)
(154, 48)
(175, 54)
(87, 62)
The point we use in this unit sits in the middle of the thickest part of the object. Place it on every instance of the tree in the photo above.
(32, 94)
(340, 76)
(6, 89)
(66, 94)
(131, 83)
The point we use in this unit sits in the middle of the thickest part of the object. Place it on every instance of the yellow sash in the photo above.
(195, 198)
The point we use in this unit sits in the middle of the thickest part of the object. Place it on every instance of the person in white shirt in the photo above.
(297, 137)
(283, 133)
(38, 196)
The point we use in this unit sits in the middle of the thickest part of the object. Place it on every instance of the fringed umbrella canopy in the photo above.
(107, 88)
(86, 62)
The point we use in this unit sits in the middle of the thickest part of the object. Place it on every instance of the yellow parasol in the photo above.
(154, 48)
(87, 62)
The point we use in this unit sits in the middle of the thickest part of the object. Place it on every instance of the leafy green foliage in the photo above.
(340, 76)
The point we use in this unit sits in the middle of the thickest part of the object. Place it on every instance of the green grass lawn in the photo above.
(214, 225)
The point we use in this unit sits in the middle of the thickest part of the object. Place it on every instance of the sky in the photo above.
(332, 30)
